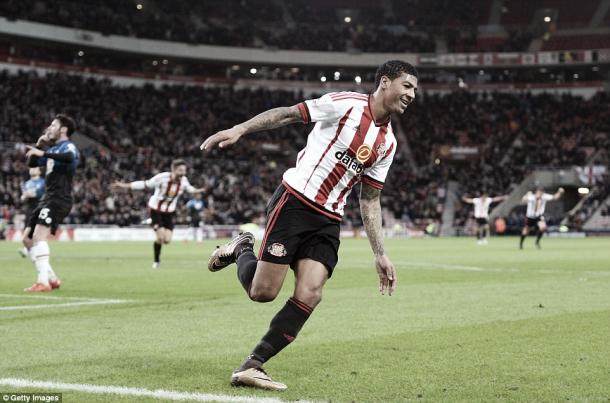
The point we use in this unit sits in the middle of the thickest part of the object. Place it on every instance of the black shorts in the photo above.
(29, 211)
(533, 221)
(50, 214)
(162, 220)
(296, 231)
(482, 221)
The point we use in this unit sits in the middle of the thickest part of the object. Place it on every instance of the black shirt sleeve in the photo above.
(61, 157)
(33, 161)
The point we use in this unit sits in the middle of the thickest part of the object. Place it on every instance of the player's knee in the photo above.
(262, 294)
(311, 296)
(166, 241)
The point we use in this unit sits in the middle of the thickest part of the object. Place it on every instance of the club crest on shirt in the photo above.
(277, 249)
(363, 153)
(381, 150)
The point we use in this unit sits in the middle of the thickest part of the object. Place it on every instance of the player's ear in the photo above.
(385, 82)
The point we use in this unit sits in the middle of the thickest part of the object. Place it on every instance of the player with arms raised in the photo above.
(534, 215)
(60, 160)
(352, 142)
(481, 214)
(168, 187)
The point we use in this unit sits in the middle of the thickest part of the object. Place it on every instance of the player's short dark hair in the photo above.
(178, 162)
(393, 69)
(67, 122)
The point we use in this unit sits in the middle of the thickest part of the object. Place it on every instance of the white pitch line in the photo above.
(55, 297)
(442, 266)
(64, 305)
(458, 267)
(141, 392)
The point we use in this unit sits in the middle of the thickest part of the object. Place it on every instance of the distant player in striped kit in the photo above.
(534, 216)
(352, 142)
(168, 187)
(481, 214)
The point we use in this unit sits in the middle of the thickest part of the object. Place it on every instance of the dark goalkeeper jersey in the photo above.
(60, 161)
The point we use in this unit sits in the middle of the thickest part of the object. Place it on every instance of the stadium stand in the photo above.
(140, 128)
(320, 25)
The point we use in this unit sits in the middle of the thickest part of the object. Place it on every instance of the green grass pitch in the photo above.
(467, 323)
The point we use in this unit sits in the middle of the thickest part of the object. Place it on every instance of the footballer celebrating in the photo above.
(352, 142)
(60, 160)
(481, 214)
(534, 215)
(168, 187)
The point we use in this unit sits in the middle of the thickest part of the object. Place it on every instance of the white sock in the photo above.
(52, 275)
(40, 252)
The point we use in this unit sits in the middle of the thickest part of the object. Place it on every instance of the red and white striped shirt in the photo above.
(346, 146)
(167, 192)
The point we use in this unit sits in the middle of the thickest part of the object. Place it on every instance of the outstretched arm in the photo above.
(137, 185)
(271, 119)
(194, 190)
(370, 209)
(467, 200)
(499, 198)
(558, 194)
(120, 185)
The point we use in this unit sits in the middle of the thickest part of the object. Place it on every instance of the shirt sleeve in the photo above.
(67, 156)
(319, 110)
(154, 181)
(375, 176)
(71, 148)
(37, 161)
(147, 184)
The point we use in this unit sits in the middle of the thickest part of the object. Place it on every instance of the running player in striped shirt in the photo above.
(168, 187)
(534, 215)
(481, 214)
(352, 142)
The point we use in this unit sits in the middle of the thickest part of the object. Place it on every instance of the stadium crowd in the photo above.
(140, 130)
(297, 24)
(514, 135)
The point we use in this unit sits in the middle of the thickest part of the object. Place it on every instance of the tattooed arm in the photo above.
(270, 119)
(370, 209)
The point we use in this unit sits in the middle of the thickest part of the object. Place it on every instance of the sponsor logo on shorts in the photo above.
(277, 249)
